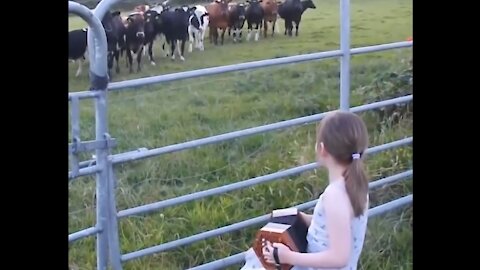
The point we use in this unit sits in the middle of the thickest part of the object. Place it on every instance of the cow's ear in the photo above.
(115, 13)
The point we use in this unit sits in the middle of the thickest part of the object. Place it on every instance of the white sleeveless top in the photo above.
(317, 238)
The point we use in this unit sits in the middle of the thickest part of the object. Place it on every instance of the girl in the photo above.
(337, 227)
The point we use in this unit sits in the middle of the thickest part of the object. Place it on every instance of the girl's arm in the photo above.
(338, 212)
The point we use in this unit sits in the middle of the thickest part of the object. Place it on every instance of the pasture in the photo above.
(179, 111)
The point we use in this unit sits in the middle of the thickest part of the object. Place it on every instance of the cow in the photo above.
(134, 38)
(153, 27)
(197, 26)
(159, 9)
(236, 16)
(77, 46)
(175, 27)
(254, 16)
(218, 19)
(270, 15)
(291, 11)
(116, 41)
(78, 42)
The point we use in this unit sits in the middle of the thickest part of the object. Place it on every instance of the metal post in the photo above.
(345, 58)
(97, 43)
(112, 224)
(113, 238)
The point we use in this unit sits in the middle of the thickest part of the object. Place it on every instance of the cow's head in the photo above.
(107, 22)
(308, 4)
(150, 17)
(241, 11)
(254, 2)
(136, 22)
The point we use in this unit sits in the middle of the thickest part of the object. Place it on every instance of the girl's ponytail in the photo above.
(356, 183)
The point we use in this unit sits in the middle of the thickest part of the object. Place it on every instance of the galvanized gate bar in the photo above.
(240, 257)
(112, 232)
(82, 95)
(130, 84)
(84, 172)
(75, 116)
(134, 83)
(97, 44)
(243, 184)
(247, 132)
(220, 231)
(82, 234)
(97, 48)
(390, 180)
(345, 58)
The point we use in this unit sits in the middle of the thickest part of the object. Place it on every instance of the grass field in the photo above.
(175, 112)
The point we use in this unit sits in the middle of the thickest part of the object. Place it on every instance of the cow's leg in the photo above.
(265, 27)
(274, 24)
(215, 36)
(201, 36)
(297, 24)
(173, 48)
(182, 51)
(117, 64)
(210, 34)
(190, 38)
(150, 53)
(110, 58)
(129, 60)
(249, 31)
(139, 58)
(223, 35)
(258, 28)
(286, 26)
(79, 69)
(290, 27)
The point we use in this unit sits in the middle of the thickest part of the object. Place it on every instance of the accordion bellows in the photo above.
(285, 226)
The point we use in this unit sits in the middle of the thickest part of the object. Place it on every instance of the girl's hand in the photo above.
(283, 253)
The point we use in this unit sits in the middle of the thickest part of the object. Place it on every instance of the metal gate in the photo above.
(106, 228)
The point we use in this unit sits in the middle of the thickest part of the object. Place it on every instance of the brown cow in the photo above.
(270, 10)
(218, 19)
(236, 18)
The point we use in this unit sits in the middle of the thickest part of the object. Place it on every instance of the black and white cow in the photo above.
(175, 27)
(77, 46)
(236, 18)
(116, 41)
(197, 26)
(78, 41)
(254, 15)
(291, 11)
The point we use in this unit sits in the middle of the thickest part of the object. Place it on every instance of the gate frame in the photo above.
(106, 228)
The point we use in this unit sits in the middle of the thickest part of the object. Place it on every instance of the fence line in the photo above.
(242, 225)
(372, 212)
(148, 153)
(106, 227)
(244, 184)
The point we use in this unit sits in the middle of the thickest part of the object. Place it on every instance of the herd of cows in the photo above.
(172, 27)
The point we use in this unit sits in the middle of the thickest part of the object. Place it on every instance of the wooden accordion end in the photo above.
(285, 226)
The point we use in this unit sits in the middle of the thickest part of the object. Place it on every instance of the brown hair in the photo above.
(345, 137)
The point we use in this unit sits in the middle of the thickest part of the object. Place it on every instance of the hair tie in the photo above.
(356, 156)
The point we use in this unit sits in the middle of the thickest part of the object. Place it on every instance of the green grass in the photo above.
(190, 109)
